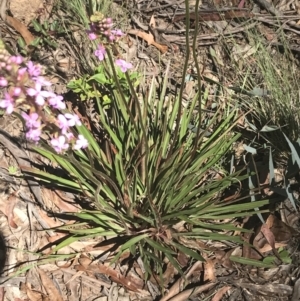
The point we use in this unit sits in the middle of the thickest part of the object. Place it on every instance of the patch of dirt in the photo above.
(27, 10)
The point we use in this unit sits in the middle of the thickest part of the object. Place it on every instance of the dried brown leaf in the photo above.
(84, 261)
(152, 22)
(148, 37)
(12, 201)
(209, 270)
(2, 293)
(51, 222)
(52, 197)
(282, 232)
(33, 295)
(273, 235)
(169, 274)
(20, 28)
(56, 237)
(182, 259)
(128, 281)
(185, 295)
(248, 251)
(49, 286)
(73, 286)
(268, 235)
(267, 247)
(220, 293)
(179, 285)
(241, 4)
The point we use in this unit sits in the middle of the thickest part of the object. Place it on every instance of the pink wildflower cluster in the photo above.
(27, 88)
(103, 29)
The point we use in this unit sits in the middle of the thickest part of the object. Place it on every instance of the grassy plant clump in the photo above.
(279, 71)
(267, 75)
(153, 172)
(152, 175)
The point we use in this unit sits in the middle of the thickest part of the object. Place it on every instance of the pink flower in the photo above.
(92, 32)
(63, 123)
(17, 59)
(112, 37)
(100, 52)
(3, 82)
(59, 144)
(33, 70)
(42, 81)
(21, 73)
(17, 91)
(69, 136)
(92, 36)
(20, 79)
(33, 134)
(123, 65)
(105, 26)
(56, 102)
(117, 32)
(31, 120)
(72, 119)
(81, 142)
(38, 94)
(7, 103)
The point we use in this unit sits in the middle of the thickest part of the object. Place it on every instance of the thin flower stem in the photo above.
(198, 75)
(186, 62)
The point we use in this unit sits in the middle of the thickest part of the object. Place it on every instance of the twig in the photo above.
(180, 40)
